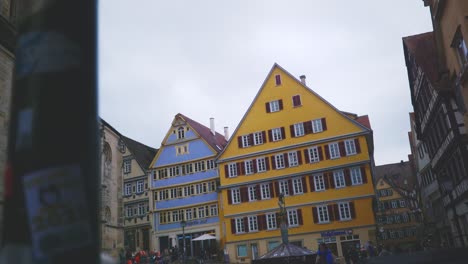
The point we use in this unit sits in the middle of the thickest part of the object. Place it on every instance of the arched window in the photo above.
(180, 133)
(107, 159)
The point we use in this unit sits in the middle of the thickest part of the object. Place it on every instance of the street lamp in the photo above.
(183, 224)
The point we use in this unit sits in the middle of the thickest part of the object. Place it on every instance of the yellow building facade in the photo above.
(294, 142)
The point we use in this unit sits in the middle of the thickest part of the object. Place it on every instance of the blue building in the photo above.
(184, 185)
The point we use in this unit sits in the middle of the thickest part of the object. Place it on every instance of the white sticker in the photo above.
(57, 210)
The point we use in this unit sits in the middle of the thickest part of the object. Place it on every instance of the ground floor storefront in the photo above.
(138, 238)
(337, 240)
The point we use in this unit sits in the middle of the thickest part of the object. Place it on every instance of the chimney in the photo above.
(303, 77)
(212, 127)
(226, 133)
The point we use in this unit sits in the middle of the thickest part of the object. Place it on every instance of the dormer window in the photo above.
(180, 133)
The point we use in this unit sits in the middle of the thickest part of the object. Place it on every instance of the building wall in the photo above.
(257, 119)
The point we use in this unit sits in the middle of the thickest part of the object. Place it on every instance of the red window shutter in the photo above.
(299, 216)
(298, 100)
(358, 146)
(319, 149)
(229, 196)
(246, 224)
(294, 99)
(270, 186)
(264, 139)
(330, 212)
(304, 184)
(226, 171)
(242, 168)
(267, 163)
(325, 179)
(233, 226)
(336, 212)
(341, 146)
(267, 105)
(244, 193)
(331, 179)
(283, 133)
(254, 165)
(280, 102)
(257, 192)
(363, 174)
(347, 177)
(270, 135)
(286, 160)
(273, 163)
(299, 157)
(278, 79)
(251, 139)
(324, 124)
(261, 222)
(239, 168)
(352, 209)
(315, 214)
(327, 152)
(291, 129)
(290, 187)
(307, 127)
(277, 190)
(311, 183)
(306, 156)
(239, 141)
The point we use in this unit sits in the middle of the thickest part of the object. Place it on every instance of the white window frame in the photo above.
(319, 182)
(248, 164)
(252, 193)
(238, 250)
(279, 161)
(276, 134)
(245, 141)
(213, 210)
(317, 125)
(235, 196)
(239, 222)
(314, 155)
(128, 188)
(323, 214)
(292, 159)
(345, 211)
(402, 203)
(274, 106)
(271, 221)
(284, 187)
(356, 176)
(127, 166)
(258, 138)
(261, 164)
(252, 223)
(405, 217)
(297, 186)
(299, 130)
(129, 211)
(394, 204)
(188, 214)
(232, 170)
(334, 150)
(293, 218)
(201, 212)
(350, 147)
(339, 178)
(180, 133)
(265, 191)
(141, 209)
(140, 186)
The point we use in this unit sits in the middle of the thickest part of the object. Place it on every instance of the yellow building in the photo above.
(292, 141)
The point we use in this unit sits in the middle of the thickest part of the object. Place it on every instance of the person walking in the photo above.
(324, 255)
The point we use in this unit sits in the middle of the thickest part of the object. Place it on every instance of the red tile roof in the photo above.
(217, 141)
(364, 120)
(423, 48)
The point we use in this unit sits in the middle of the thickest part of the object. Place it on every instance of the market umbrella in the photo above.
(204, 237)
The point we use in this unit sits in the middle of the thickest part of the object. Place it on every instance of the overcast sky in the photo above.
(209, 58)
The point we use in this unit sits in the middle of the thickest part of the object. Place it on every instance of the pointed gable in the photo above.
(217, 141)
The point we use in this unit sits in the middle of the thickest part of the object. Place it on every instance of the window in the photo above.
(240, 228)
(241, 251)
(317, 126)
(271, 221)
(139, 186)
(272, 245)
(339, 178)
(188, 168)
(258, 138)
(200, 166)
(401, 234)
(402, 203)
(323, 214)
(334, 150)
(188, 214)
(293, 219)
(345, 211)
(279, 161)
(175, 216)
(210, 164)
(350, 147)
(127, 166)
(276, 134)
(397, 219)
(201, 212)
(261, 165)
(274, 106)
(283, 187)
(265, 191)
(213, 210)
(128, 189)
(384, 235)
(319, 182)
(314, 155)
(235, 196)
(405, 218)
(253, 224)
(248, 164)
(292, 159)
(129, 211)
(252, 193)
(394, 204)
(232, 169)
(389, 219)
(278, 79)
(299, 129)
(162, 173)
(392, 234)
(296, 100)
(180, 133)
(141, 209)
(356, 177)
(297, 186)
(245, 141)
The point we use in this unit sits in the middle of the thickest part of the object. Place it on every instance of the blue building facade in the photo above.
(184, 186)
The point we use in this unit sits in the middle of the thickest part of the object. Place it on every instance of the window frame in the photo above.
(258, 138)
(283, 186)
(140, 184)
(261, 164)
(350, 147)
(319, 181)
(252, 193)
(274, 106)
(279, 161)
(271, 220)
(293, 160)
(293, 218)
(128, 189)
(334, 150)
(344, 209)
(276, 134)
(265, 189)
(127, 166)
(236, 196)
(249, 167)
(314, 155)
(240, 227)
(299, 130)
(252, 223)
(245, 141)
(297, 186)
(317, 126)
(232, 170)
(356, 176)
(323, 214)
(339, 177)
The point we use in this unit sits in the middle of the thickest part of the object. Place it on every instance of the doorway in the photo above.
(254, 251)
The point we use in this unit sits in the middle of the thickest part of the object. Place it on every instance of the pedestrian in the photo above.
(347, 255)
(370, 249)
(324, 255)
(129, 257)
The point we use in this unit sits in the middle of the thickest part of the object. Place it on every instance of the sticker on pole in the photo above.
(57, 210)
